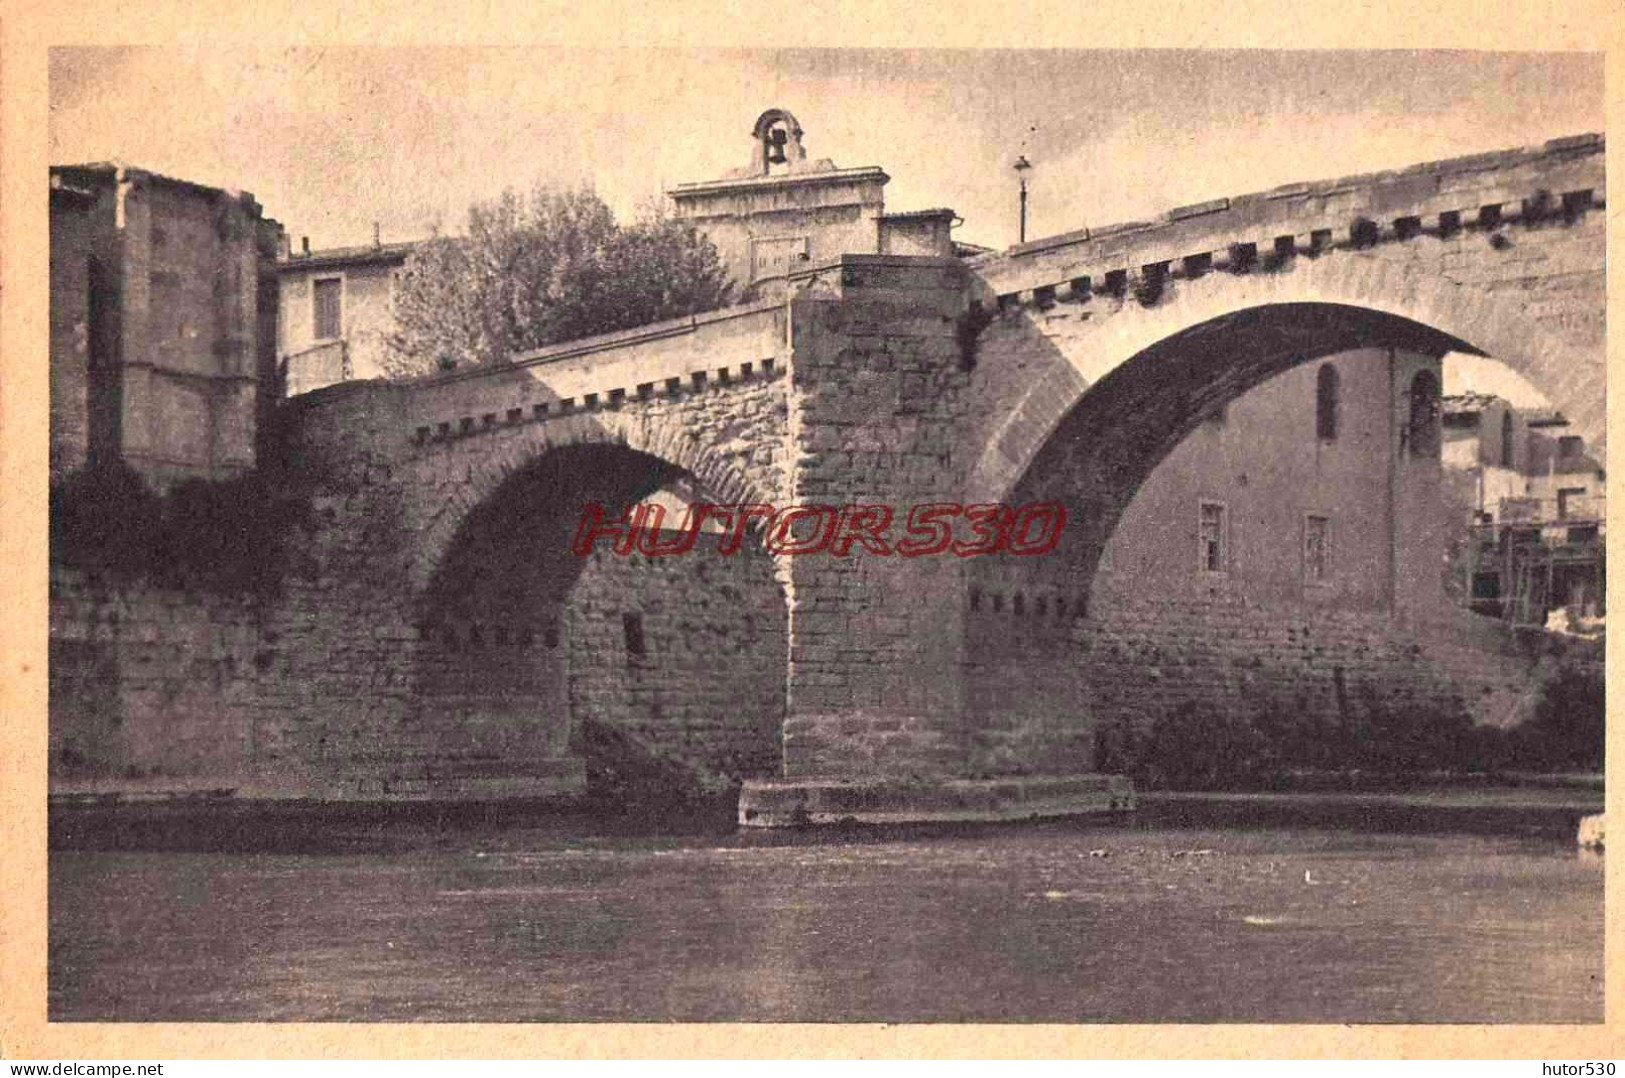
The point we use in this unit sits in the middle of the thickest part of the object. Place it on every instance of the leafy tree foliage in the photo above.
(551, 267)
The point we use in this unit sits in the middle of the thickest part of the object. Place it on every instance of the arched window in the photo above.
(1425, 415)
(1326, 403)
(1507, 452)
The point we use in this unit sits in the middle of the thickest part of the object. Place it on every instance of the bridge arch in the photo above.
(473, 473)
(1360, 299)
(1114, 395)
(526, 650)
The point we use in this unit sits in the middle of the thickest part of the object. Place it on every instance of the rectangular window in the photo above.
(329, 325)
(1568, 501)
(632, 626)
(1212, 555)
(1317, 538)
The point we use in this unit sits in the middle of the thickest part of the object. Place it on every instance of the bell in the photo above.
(775, 146)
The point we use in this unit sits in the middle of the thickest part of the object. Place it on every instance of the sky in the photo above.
(331, 140)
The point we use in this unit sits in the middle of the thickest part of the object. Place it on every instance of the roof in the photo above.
(1468, 403)
(111, 169)
(1545, 417)
(736, 184)
(335, 257)
(914, 215)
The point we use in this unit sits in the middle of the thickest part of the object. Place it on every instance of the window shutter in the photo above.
(329, 325)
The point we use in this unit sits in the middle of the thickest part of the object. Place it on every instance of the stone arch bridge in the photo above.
(430, 660)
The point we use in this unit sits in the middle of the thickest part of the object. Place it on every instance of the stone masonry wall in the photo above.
(1225, 654)
(875, 643)
(150, 684)
(1047, 679)
(707, 689)
(345, 684)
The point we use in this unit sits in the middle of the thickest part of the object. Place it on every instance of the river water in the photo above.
(1134, 920)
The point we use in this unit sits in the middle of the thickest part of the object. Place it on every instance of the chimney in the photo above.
(377, 236)
(304, 242)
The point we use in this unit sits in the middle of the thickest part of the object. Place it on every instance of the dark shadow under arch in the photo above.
(524, 647)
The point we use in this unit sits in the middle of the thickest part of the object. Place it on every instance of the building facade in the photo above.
(783, 214)
(1320, 486)
(336, 316)
(163, 323)
(1531, 506)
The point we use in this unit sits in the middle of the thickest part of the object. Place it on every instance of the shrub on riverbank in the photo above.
(1566, 732)
(228, 536)
(1271, 746)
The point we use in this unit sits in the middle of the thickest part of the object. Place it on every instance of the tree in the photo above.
(533, 272)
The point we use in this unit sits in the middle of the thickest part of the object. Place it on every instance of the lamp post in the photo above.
(1022, 167)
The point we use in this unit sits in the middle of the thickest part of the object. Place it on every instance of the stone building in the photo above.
(783, 214)
(1319, 487)
(163, 323)
(335, 312)
(1529, 500)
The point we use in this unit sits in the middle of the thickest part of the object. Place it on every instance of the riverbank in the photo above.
(214, 820)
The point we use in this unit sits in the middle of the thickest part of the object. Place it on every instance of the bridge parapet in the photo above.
(736, 345)
(1558, 180)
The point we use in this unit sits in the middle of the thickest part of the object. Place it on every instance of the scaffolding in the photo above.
(1539, 556)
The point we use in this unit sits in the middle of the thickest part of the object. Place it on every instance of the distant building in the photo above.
(336, 316)
(1531, 504)
(163, 323)
(778, 217)
(1319, 486)
(783, 214)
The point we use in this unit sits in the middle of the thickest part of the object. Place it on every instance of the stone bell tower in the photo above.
(784, 214)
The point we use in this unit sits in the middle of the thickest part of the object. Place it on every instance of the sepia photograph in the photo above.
(825, 535)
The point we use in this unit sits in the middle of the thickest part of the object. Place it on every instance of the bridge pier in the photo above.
(879, 727)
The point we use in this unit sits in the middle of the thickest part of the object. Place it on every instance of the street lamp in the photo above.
(1022, 167)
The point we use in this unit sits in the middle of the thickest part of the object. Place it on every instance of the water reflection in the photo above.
(1135, 921)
